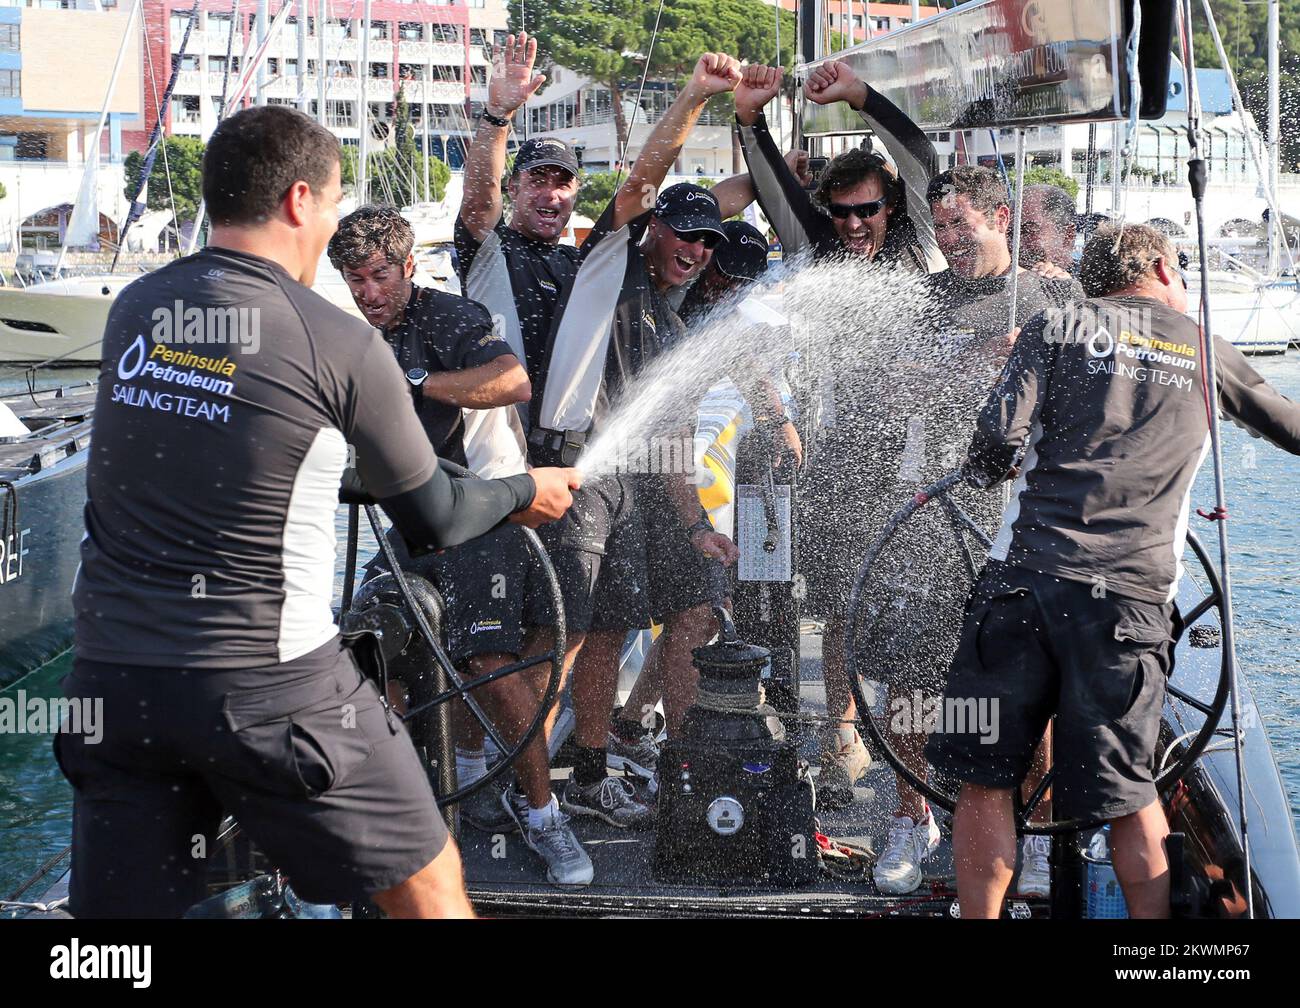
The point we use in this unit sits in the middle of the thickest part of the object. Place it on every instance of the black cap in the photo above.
(743, 256)
(685, 207)
(542, 152)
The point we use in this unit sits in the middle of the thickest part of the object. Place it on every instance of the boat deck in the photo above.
(624, 886)
(59, 425)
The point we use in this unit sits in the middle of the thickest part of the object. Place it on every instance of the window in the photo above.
(379, 30)
(344, 68)
(291, 68)
(338, 29)
(273, 66)
(380, 70)
(499, 39)
(291, 24)
(477, 37)
(410, 72)
(177, 25)
(9, 40)
(219, 25)
(339, 114)
(10, 81)
(478, 74)
(185, 108)
(189, 62)
(446, 33)
(410, 31)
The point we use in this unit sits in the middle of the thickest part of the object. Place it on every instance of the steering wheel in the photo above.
(962, 526)
(406, 611)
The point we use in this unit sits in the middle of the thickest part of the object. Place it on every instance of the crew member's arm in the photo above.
(479, 369)
(734, 194)
(397, 466)
(686, 502)
(1254, 404)
(909, 148)
(511, 85)
(785, 202)
(714, 74)
(1011, 410)
(500, 382)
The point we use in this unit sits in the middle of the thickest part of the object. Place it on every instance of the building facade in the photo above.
(49, 115)
(438, 54)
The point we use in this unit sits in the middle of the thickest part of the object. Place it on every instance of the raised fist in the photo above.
(758, 85)
(714, 74)
(833, 82)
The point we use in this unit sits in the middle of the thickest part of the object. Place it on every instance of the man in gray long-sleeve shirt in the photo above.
(1074, 615)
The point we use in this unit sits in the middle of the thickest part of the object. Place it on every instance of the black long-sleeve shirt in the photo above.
(214, 472)
(801, 225)
(1107, 403)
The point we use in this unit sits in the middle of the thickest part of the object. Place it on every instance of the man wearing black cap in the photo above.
(518, 269)
(735, 265)
(613, 322)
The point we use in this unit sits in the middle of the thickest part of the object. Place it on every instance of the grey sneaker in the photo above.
(484, 810)
(567, 864)
(640, 757)
(612, 799)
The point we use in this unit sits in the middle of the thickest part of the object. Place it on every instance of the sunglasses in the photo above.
(709, 239)
(864, 211)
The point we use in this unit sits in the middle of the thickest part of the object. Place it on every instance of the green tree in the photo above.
(609, 40)
(396, 173)
(181, 162)
(1046, 175)
(597, 190)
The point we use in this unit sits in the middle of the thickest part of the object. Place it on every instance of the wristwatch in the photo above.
(495, 120)
(416, 377)
(703, 525)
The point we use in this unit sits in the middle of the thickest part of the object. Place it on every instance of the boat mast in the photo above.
(1196, 177)
(363, 147)
(91, 155)
(263, 15)
(304, 103)
(322, 12)
(1276, 229)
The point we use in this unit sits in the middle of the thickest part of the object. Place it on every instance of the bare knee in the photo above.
(436, 891)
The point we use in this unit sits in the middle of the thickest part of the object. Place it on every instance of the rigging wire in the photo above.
(1209, 383)
(645, 72)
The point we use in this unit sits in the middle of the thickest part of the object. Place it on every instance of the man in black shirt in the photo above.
(203, 600)
(453, 358)
(517, 268)
(613, 322)
(1104, 409)
(446, 345)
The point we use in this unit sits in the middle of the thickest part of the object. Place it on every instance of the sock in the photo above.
(629, 731)
(471, 764)
(540, 818)
(589, 766)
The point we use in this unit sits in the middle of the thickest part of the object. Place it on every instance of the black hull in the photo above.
(40, 552)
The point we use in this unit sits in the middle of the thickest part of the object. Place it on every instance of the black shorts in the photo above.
(1033, 646)
(485, 583)
(317, 773)
(598, 550)
(681, 577)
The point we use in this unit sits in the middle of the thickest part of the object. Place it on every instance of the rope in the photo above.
(645, 72)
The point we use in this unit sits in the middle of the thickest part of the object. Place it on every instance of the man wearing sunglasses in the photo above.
(613, 320)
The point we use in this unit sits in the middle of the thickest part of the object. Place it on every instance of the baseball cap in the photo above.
(743, 256)
(541, 152)
(686, 207)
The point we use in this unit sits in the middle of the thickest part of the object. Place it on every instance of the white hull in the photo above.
(65, 319)
(1255, 319)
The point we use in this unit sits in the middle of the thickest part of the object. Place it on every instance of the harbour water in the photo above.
(1263, 484)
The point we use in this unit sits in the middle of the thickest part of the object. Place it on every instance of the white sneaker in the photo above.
(1035, 869)
(898, 871)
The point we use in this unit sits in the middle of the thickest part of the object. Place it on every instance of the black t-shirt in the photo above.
(1107, 402)
(442, 332)
(214, 470)
(612, 300)
(521, 281)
